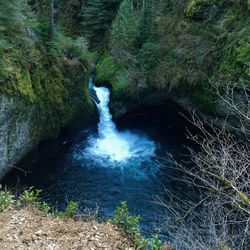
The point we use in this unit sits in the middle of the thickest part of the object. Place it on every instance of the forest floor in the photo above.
(28, 228)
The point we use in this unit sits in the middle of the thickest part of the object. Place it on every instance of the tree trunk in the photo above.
(153, 7)
(143, 6)
(52, 20)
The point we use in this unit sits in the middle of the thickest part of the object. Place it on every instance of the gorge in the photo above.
(107, 165)
(144, 101)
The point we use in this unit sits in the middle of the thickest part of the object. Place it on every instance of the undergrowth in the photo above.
(6, 199)
(122, 217)
(130, 225)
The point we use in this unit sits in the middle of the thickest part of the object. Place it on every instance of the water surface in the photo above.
(105, 165)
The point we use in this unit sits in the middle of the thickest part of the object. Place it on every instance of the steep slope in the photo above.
(42, 87)
(180, 48)
(30, 229)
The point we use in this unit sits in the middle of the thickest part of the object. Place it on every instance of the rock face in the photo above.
(24, 122)
(206, 104)
(16, 137)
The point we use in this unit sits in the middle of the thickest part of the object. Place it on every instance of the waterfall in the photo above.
(110, 145)
(110, 142)
(106, 126)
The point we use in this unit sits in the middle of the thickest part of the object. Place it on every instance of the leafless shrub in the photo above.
(220, 217)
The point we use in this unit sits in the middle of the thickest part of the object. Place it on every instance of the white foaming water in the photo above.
(112, 145)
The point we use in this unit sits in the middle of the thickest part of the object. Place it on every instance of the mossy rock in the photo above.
(24, 84)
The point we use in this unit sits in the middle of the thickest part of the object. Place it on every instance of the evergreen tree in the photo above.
(12, 18)
(52, 20)
(148, 30)
(69, 15)
(12, 21)
(125, 29)
(98, 16)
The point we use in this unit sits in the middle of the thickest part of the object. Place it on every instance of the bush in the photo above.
(71, 209)
(130, 224)
(6, 199)
(30, 197)
(106, 68)
(155, 243)
(44, 207)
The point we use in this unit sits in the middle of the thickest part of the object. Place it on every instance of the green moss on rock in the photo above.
(24, 84)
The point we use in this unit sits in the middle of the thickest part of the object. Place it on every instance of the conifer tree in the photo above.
(12, 21)
(11, 16)
(125, 29)
(98, 16)
(52, 20)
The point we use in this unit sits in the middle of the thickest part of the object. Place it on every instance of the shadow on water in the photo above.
(63, 175)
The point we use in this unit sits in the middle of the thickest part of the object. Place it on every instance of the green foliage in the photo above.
(148, 22)
(122, 82)
(61, 42)
(235, 49)
(71, 209)
(5, 44)
(125, 29)
(12, 11)
(30, 197)
(44, 207)
(243, 56)
(98, 16)
(106, 68)
(204, 96)
(196, 8)
(6, 199)
(25, 86)
(130, 224)
(69, 15)
(134, 44)
(155, 243)
(149, 56)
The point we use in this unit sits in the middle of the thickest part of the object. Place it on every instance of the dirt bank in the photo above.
(30, 229)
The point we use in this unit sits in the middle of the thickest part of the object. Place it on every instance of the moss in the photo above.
(53, 88)
(24, 84)
(198, 8)
(106, 68)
